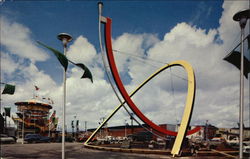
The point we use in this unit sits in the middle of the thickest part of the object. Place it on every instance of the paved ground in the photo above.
(73, 151)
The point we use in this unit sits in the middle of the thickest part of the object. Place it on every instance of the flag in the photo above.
(60, 56)
(50, 101)
(9, 89)
(53, 120)
(7, 111)
(234, 58)
(53, 115)
(87, 73)
(37, 88)
(56, 122)
(72, 123)
(64, 62)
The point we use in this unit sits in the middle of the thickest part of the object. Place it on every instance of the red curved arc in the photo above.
(123, 91)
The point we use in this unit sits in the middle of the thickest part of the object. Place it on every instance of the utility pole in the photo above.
(85, 123)
(125, 134)
(132, 127)
(23, 129)
(206, 130)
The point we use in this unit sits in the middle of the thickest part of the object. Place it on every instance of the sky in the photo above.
(147, 34)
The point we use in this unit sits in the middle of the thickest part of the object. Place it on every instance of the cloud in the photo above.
(217, 82)
(163, 99)
(17, 39)
(8, 65)
(227, 24)
(81, 51)
(18, 57)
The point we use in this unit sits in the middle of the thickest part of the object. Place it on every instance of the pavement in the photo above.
(72, 151)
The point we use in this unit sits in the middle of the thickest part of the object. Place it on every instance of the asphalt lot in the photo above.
(73, 151)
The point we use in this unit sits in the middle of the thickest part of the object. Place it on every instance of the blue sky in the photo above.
(47, 19)
(201, 32)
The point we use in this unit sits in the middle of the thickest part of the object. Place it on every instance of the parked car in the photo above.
(5, 139)
(141, 136)
(214, 142)
(34, 138)
(67, 139)
(246, 148)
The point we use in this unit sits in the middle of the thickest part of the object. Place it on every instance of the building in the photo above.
(33, 117)
(232, 133)
(125, 130)
(205, 132)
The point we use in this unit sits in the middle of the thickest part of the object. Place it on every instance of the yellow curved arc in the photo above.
(188, 108)
(189, 102)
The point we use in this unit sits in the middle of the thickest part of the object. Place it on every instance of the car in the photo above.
(67, 139)
(141, 136)
(215, 142)
(5, 139)
(246, 148)
(34, 138)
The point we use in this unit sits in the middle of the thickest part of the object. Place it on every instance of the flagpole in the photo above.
(49, 128)
(65, 38)
(23, 128)
(242, 17)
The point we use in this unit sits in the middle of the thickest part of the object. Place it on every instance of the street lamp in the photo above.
(242, 17)
(65, 38)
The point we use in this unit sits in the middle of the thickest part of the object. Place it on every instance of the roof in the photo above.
(34, 102)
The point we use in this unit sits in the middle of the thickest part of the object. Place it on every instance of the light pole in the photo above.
(125, 135)
(85, 126)
(65, 38)
(49, 127)
(206, 130)
(23, 129)
(242, 17)
(132, 127)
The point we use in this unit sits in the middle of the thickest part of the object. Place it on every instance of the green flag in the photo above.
(64, 61)
(235, 58)
(60, 56)
(7, 111)
(9, 89)
(87, 73)
(72, 124)
(53, 120)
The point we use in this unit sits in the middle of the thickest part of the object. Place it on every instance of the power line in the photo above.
(150, 59)
(145, 61)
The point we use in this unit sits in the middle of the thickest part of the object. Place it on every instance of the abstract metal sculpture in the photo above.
(189, 101)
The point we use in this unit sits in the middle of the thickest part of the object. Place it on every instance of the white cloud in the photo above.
(81, 51)
(217, 81)
(8, 65)
(17, 39)
(227, 24)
